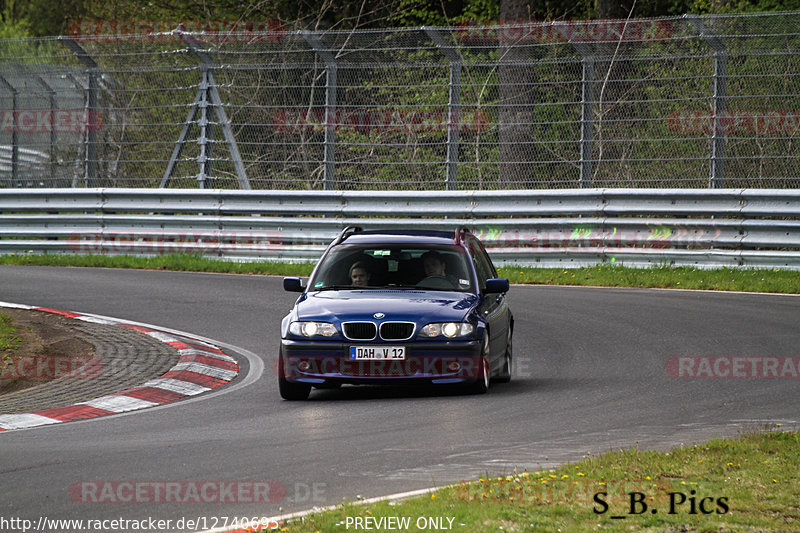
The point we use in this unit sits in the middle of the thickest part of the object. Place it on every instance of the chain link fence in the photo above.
(685, 102)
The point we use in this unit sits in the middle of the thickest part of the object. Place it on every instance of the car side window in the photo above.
(482, 264)
(488, 261)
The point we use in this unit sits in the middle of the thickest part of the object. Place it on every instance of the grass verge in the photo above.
(176, 262)
(745, 484)
(9, 341)
(724, 279)
(720, 279)
(8, 334)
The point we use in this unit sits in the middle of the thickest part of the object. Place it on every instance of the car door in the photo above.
(493, 307)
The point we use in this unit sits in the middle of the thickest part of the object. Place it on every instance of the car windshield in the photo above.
(428, 267)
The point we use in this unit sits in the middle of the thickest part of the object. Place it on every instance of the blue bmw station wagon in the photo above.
(395, 307)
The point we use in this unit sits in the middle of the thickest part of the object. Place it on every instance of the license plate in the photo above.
(379, 353)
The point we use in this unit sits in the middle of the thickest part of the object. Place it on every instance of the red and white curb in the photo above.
(201, 367)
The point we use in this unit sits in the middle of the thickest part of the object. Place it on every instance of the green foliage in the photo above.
(742, 6)
(39, 17)
(45, 17)
(419, 13)
(478, 10)
(14, 29)
(404, 74)
(410, 13)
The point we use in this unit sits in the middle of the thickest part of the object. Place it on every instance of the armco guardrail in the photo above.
(575, 227)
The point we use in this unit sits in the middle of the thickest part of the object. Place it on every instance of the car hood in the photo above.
(405, 305)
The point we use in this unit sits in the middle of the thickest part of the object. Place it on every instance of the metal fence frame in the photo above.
(566, 228)
(566, 130)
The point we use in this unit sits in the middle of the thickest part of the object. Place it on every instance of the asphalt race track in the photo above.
(590, 376)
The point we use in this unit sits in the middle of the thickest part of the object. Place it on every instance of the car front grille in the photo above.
(390, 331)
(360, 330)
(397, 331)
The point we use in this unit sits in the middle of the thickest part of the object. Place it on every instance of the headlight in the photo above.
(447, 329)
(312, 329)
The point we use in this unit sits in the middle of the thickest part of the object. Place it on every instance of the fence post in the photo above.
(331, 84)
(587, 116)
(178, 148)
(453, 106)
(90, 173)
(206, 131)
(207, 95)
(587, 120)
(719, 107)
(14, 135)
(51, 97)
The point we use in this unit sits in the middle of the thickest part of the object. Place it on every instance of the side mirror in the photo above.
(496, 285)
(293, 285)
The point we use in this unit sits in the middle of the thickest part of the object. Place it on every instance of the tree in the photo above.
(613, 9)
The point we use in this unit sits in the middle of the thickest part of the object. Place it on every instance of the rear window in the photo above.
(430, 267)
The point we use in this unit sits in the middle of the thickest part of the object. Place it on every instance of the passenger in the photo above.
(360, 274)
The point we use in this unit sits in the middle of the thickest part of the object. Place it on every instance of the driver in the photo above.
(433, 263)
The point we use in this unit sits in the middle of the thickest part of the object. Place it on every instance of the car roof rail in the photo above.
(460, 234)
(346, 232)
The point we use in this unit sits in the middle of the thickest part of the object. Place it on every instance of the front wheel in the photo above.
(289, 390)
(508, 359)
(293, 391)
(481, 385)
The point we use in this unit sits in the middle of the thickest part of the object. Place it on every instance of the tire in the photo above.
(508, 360)
(289, 390)
(294, 392)
(481, 385)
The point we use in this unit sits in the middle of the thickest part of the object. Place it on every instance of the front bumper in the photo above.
(440, 362)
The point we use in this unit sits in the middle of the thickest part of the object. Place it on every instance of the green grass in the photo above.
(721, 279)
(724, 279)
(745, 484)
(8, 333)
(9, 342)
(176, 262)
